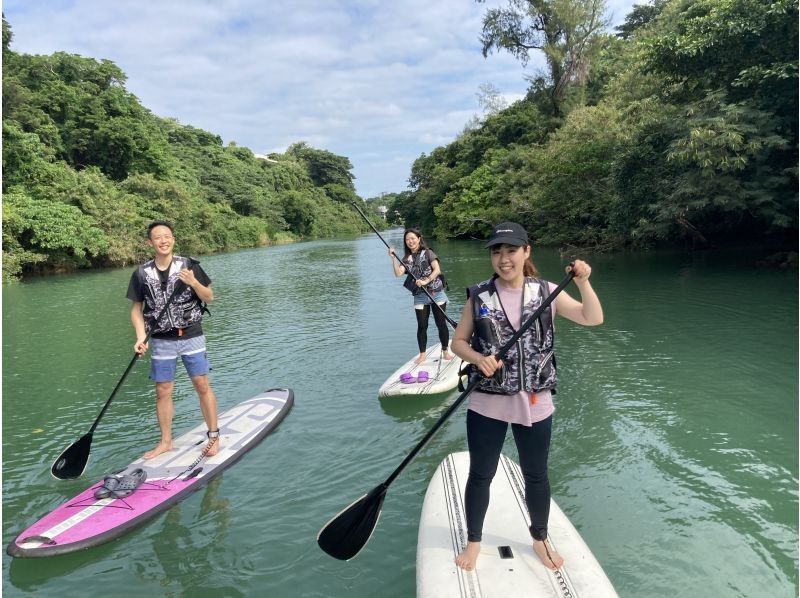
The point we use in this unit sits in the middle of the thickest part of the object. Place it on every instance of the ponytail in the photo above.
(528, 268)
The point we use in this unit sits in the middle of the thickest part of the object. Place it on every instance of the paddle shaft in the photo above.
(474, 382)
(450, 321)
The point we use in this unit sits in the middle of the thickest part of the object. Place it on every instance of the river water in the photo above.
(675, 444)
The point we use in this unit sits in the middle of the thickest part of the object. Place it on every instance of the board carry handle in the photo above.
(41, 539)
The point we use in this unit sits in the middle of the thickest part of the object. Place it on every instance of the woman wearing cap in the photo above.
(495, 309)
(424, 264)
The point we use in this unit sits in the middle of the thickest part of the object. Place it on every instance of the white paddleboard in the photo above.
(443, 534)
(442, 375)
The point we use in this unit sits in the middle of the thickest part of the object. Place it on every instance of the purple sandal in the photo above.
(422, 376)
(407, 378)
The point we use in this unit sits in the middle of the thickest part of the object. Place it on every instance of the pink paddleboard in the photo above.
(83, 521)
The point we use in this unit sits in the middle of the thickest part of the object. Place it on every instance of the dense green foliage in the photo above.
(86, 167)
(683, 128)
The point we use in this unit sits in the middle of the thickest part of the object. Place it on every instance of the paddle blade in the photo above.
(72, 462)
(345, 535)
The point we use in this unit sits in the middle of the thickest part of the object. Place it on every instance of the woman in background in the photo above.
(423, 263)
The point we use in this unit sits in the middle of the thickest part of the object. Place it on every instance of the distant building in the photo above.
(382, 211)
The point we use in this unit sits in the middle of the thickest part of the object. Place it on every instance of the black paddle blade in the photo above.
(346, 534)
(72, 462)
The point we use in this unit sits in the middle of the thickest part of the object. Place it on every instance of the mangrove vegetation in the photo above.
(678, 128)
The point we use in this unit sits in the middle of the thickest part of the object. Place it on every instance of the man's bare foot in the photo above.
(447, 355)
(421, 359)
(161, 447)
(213, 448)
(551, 559)
(469, 556)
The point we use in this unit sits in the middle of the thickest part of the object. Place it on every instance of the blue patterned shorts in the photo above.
(421, 299)
(165, 353)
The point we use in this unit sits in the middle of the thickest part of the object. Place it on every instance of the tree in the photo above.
(323, 166)
(563, 191)
(61, 233)
(27, 161)
(475, 201)
(640, 15)
(298, 210)
(731, 68)
(490, 99)
(564, 30)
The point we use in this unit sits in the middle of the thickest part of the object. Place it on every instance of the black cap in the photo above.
(508, 233)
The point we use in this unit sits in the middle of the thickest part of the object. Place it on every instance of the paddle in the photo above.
(345, 535)
(450, 320)
(71, 463)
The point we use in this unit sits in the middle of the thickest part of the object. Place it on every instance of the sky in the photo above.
(378, 81)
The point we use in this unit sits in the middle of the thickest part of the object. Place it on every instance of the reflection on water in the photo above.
(184, 552)
(674, 449)
(412, 408)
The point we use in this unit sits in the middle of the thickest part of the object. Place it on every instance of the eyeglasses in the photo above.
(162, 238)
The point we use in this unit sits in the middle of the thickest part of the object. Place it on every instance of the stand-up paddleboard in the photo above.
(442, 375)
(507, 566)
(85, 521)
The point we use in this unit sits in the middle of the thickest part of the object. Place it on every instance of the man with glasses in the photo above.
(180, 284)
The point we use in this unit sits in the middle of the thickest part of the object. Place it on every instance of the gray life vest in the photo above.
(530, 364)
(186, 308)
(422, 267)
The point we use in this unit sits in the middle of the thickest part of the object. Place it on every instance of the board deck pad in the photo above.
(507, 566)
(83, 521)
(442, 375)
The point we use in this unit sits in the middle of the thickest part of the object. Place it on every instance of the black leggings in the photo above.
(485, 437)
(422, 326)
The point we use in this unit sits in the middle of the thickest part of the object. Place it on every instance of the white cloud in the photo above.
(379, 82)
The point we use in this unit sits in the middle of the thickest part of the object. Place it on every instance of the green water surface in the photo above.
(675, 445)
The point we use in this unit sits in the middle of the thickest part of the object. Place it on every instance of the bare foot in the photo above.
(161, 447)
(213, 448)
(421, 359)
(550, 558)
(469, 556)
(447, 355)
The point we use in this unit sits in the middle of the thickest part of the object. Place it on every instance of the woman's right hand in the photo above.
(140, 347)
(488, 365)
(581, 269)
(391, 251)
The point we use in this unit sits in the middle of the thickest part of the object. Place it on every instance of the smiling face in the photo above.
(161, 240)
(509, 263)
(412, 242)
